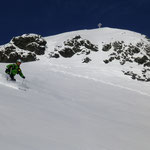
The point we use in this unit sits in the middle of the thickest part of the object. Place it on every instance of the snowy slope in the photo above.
(75, 106)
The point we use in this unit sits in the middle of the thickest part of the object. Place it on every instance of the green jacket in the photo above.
(14, 69)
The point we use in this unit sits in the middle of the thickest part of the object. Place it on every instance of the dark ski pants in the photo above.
(12, 77)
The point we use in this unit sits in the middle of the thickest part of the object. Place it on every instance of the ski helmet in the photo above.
(19, 60)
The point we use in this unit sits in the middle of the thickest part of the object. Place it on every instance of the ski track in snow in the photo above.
(14, 85)
(98, 80)
(9, 85)
(3, 81)
(17, 87)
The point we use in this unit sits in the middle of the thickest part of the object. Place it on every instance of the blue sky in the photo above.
(50, 17)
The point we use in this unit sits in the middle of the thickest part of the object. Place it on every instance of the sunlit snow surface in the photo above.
(67, 105)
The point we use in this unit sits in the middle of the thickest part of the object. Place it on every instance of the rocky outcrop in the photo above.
(86, 60)
(138, 54)
(31, 42)
(138, 77)
(25, 47)
(127, 53)
(74, 46)
(10, 53)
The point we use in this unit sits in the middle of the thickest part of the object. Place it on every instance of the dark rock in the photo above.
(135, 50)
(9, 53)
(129, 60)
(144, 71)
(54, 55)
(29, 57)
(140, 79)
(133, 76)
(34, 47)
(24, 47)
(76, 45)
(113, 54)
(140, 44)
(141, 60)
(106, 47)
(86, 52)
(122, 62)
(147, 64)
(86, 60)
(117, 45)
(3, 57)
(13, 57)
(148, 79)
(106, 61)
(67, 52)
(77, 37)
(117, 57)
(128, 53)
(111, 59)
(31, 42)
(119, 51)
(147, 49)
(127, 73)
(91, 46)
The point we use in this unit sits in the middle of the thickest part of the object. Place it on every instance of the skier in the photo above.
(13, 69)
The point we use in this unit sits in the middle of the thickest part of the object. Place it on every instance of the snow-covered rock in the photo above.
(31, 42)
(25, 47)
(124, 47)
(131, 54)
(73, 46)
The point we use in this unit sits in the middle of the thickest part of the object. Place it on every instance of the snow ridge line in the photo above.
(104, 82)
